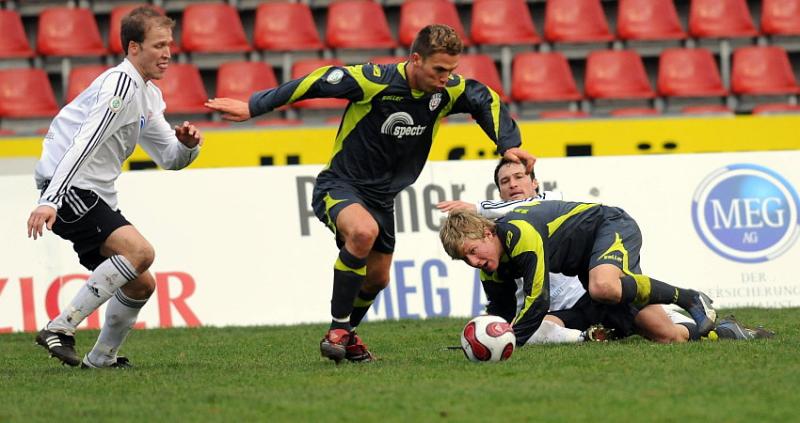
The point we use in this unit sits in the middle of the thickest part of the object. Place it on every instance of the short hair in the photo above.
(134, 25)
(504, 161)
(437, 38)
(459, 226)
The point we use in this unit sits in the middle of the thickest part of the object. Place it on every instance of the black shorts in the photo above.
(87, 221)
(587, 312)
(617, 242)
(330, 199)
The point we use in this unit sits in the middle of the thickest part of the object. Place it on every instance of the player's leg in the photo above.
(552, 331)
(88, 222)
(653, 323)
(378, 266)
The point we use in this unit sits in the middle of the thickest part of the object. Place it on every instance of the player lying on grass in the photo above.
(597, 243)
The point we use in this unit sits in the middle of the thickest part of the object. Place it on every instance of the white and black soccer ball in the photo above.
(488, 338)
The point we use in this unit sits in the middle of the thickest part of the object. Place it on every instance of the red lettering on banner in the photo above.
(51, 299)
(28, 308)
(6, 329)
(164, 300)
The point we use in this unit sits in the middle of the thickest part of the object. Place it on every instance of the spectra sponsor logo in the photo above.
(746, 213)
(401, 124)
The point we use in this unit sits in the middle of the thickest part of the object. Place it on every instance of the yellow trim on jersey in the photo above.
(361, 271)
(330, 202)
(307, 82)
(617, 246)
(495, 113)
(354, 114)
(490, 277)
(454, 93)
(553, 226)
(530, 241)
(642, 281)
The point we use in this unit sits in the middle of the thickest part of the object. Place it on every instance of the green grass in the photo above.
(276, 374)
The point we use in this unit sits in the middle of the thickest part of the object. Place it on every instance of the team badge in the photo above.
(436, 99)
(335, 76)
(115, 104)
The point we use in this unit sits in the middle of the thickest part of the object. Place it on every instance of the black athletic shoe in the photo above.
(703, 314)
(730, 328)
(59, 345)
(121, 363)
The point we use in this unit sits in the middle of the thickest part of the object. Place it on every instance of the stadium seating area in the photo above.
(548, 59)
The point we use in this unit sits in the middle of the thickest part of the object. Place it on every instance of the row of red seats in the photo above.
(537, 77)
(217, 27)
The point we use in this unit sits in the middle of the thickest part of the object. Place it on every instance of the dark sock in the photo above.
(662, 293)
(685, 297)
(362, 303)
(694, 335)
(348, 275)
(628, 289)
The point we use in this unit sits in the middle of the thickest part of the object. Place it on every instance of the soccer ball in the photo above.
(488, 338)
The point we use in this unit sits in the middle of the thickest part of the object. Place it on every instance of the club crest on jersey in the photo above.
(436, 100)
(335, 76)
(115, 104)
(401, 124)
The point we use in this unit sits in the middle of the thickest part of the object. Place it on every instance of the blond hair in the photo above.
(459, 226)
(437, 38)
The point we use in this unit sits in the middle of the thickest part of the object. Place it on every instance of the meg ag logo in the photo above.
(746, 213)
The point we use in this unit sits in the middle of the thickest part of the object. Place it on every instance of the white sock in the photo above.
(109, 276)
(551, 333)
(121, 315)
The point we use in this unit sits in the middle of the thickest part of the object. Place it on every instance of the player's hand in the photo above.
(450, 205)
(235, 110)
(39, 217)
(518, 155)
(188, 134)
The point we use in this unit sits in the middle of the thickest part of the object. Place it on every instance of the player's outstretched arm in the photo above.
(231, 109)
(518, 155)
(188, 134)
(450, 205)
(41, 215)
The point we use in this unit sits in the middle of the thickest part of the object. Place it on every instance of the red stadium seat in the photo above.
(14, 42)
(416, 14)
(285, 27)
(776, 108)
(304, 67)
(26, 93)
(80, 78)
(213, 28)
(571, 21)
(480, 67)
(648, 20)
(65, 31)
(241, 79)
(387, 60)
(634, 112)
(563, 114)
(543, 77)
(358, 24)
(502, 22)
(616, 74)
(183, 89)
(708, 109)
(720, 19)
(684, 72)
(762, 71)
(119, 12)
(780, 17)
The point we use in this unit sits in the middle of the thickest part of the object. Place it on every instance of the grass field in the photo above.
(275, 374)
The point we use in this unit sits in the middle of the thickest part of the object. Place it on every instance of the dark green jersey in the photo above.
(538, 238)
(387, 130)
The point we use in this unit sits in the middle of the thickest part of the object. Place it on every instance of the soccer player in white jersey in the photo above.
(656, 322)
(82, 156)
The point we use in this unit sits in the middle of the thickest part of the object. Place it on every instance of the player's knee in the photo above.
(364, 236)
(604, 291)
(142, 287)
(142, 257)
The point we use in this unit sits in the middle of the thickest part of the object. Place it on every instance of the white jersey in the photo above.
(92, 136)
(565, 291)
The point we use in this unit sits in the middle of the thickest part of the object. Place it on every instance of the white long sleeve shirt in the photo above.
(93, 135)
(565, 291)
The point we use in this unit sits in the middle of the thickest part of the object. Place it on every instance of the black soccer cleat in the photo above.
(59, 345)
(730, 328)
(702, 312)
(121, 363)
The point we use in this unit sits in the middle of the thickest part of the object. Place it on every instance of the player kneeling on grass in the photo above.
(598, 243)
(83, 153)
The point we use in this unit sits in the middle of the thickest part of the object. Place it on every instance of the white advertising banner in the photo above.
(242, 246)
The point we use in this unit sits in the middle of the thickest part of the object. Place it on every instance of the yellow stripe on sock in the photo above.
(361, 271)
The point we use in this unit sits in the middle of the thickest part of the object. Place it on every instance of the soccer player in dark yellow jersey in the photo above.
(382, 144)
(600, 244)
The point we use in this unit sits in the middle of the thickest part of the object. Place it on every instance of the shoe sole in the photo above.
(333, 352)
(63, 359)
